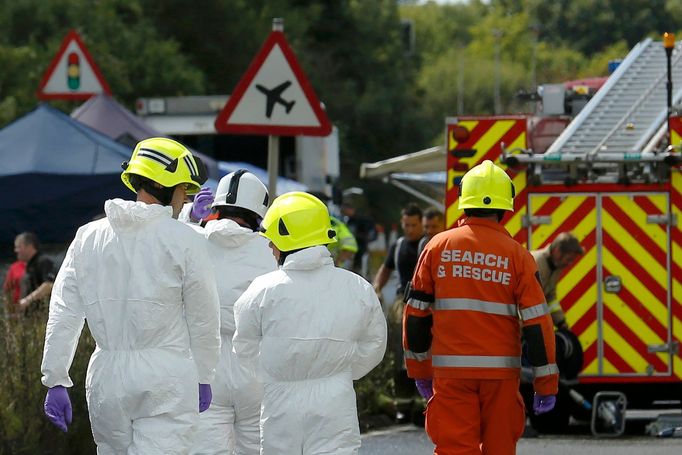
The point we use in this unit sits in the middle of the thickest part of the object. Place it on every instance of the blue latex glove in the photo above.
(201, 206)
(425, 388)
(205, 396)
(58, 407)
(543, 403)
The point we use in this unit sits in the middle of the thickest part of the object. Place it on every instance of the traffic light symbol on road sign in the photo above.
(73, 72)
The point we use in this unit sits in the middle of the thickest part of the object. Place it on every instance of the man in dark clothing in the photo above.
(402, 256)
(36, 284)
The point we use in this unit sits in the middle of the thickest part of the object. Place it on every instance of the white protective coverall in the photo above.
(231, 424)
(145, 285)
(313, 328)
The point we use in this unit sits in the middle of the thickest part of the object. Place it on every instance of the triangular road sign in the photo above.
(274, 97)
(72, 74)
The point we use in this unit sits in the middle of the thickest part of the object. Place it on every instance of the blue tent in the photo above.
(55, 175)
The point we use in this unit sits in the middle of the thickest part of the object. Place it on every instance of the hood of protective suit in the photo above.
(227, 233)
(124, 215)
(308, 259)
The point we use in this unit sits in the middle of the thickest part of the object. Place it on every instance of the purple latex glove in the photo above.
(425, 388)
(543, 403)
(205, 396)
(58, 407)
(201, 206)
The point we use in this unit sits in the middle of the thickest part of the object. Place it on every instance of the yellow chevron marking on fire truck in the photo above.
(676, 181)
(632, 320)
(675, 137)
(537, 201)
(582, 305)
(451, 179)
(624, 350)
(452, 214)
(676, 251)
(634, 248)
(514, 225)
(586, 226)
(660, 201)
(587, 338)
(637, 215)
(657, 308)
(489, 139)
(580, 269)
(559, 216)
(608, 367)
(468, 124)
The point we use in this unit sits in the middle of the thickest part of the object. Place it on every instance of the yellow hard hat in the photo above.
(486, 186)
(166, 162)
(297, 220)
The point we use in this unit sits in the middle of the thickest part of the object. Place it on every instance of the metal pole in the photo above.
(273, 141)
(273, 165)
(669, 87)
(669, 45)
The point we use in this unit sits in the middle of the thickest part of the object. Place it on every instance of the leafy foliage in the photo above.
(24, 429)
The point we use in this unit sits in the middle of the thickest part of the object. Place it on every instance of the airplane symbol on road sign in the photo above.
(274, 96)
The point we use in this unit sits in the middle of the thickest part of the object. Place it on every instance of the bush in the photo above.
(376, 406)
(24, 429)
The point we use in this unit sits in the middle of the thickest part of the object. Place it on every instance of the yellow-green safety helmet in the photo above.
(486, 186)
(166, 162)
(297, 220)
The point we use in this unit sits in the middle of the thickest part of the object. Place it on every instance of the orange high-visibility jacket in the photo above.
(471, 286)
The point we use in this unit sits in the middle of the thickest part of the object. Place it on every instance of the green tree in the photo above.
(134, 59)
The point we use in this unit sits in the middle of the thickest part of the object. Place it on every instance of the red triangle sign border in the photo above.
(71, 36)
(275, 38)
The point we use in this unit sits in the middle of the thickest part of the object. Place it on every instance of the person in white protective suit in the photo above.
(311, 328)
(239, 254)
(145, 285)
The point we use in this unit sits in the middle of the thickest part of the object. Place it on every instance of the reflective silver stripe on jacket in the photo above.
(504, 309)
(418, 304)
(534, 311)
(545, 370)
(419, 356)
(475, 361)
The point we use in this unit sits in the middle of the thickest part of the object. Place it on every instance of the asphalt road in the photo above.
(411, 440)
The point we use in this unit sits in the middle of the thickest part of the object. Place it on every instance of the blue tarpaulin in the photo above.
(55, 174)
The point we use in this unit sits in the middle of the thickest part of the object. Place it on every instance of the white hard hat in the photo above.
(242, 189)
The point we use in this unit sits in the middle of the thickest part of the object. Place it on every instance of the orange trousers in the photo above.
(475, 416)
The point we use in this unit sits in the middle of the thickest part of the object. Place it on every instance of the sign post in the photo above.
(274, 98)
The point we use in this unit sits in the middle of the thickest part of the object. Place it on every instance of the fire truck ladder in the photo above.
(629, 109)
